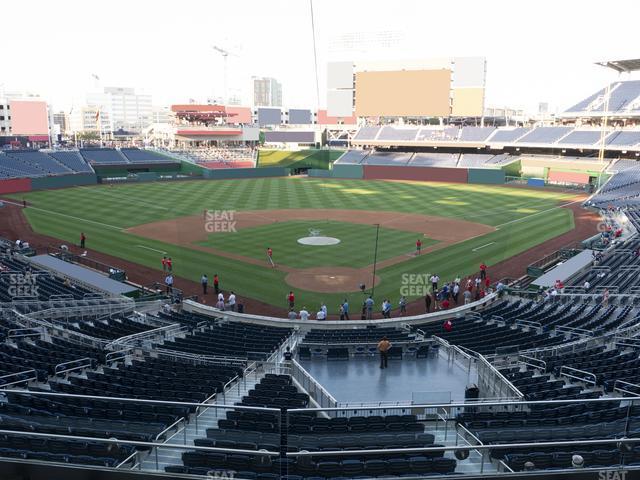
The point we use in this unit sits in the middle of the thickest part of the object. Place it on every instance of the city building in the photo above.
(267, 92)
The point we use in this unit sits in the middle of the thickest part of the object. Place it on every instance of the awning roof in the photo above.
(622, 66)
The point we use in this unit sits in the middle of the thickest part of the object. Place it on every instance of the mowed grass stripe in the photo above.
(486, 204)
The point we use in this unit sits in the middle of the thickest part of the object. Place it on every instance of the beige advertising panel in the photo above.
(467, 102)
(403, 93)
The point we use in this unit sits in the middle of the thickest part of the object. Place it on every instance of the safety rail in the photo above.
(575, 373)
(25, 332)
(118, 355)
(312, 386)
(627, 342)
(562, 330)
(31, 373)
(532, 362)
(622, 383)
(167, 332)
(527, 323)
(80, 364)
(493, 382)
(203, 359)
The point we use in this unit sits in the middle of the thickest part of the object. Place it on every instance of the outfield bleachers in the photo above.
(544, 135)
(475, 134)
(73, 160)
(135, 155)
(104, 156)
(434, 160)
(387, 158)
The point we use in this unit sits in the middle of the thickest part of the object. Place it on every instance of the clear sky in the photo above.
(537, 51)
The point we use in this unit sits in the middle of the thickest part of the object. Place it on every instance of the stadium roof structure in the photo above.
(622, 66)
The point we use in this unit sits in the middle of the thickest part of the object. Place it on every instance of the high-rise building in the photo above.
(120, 108)
(62, 120)
(267, 92)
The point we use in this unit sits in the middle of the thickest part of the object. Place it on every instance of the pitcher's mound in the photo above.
(331, 279)
(319, 241)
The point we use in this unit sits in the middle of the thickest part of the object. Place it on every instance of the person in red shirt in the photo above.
(418, 246)
(216, 284)
(164, 264)
(270, 256)
(447, 325)
(291, 299)
(83, 239)
(487, 282)
(445, 304)
(483, 271)
(169, 264)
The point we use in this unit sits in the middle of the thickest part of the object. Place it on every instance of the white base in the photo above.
(319, 241)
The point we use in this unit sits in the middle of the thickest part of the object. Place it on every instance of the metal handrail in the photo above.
(137, 400)
(214, 359)
(118, 354)
(30, 371)
(592, 377)
(530, 361)
(17, 332)
(170, 427)
(87, 364)
(622, 382)
(297, 368)
(483, 361)
(141, 336)
(137, 443)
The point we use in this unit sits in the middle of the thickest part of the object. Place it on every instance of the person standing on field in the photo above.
(169, 264)
(345, 309)
(83, 239)
(216, 284)
(418, 246)
(164, 263)
(204, 281)
(402, 303)
(483, 271)
(291, 299)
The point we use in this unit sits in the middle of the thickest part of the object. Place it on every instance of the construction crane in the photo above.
(225, 55)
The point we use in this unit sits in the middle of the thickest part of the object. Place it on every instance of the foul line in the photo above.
(482, 246)
(149, 248)
(65, 215)
(538, 213)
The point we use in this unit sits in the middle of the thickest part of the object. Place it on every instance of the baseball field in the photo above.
(225, 227)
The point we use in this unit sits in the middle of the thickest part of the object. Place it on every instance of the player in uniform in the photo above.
(270, 256)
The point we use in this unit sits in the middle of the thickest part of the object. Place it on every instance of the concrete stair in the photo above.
(161, 457)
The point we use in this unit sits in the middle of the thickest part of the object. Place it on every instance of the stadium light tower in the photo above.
(225, 55)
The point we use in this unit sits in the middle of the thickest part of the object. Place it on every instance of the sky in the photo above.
(537, 51)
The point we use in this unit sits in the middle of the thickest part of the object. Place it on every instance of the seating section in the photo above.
(367, 133)
(72, 160)
(104, 156)
(508, 135)
(45, 284)
(221, 157)
(240, 340)
(623, 98)
(352, 157)
(387, 158)
(447, 134)
(111, 328)
(393, 133)
(545, 135)
(581, 137)
(623, 139)
(475, 134)
(254, 430)
(434, 160)
(46, 164)
(359, 335)
(614, 270)
(135, 155)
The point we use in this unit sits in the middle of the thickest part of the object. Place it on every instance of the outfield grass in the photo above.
(524, 218)
(355, 249)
